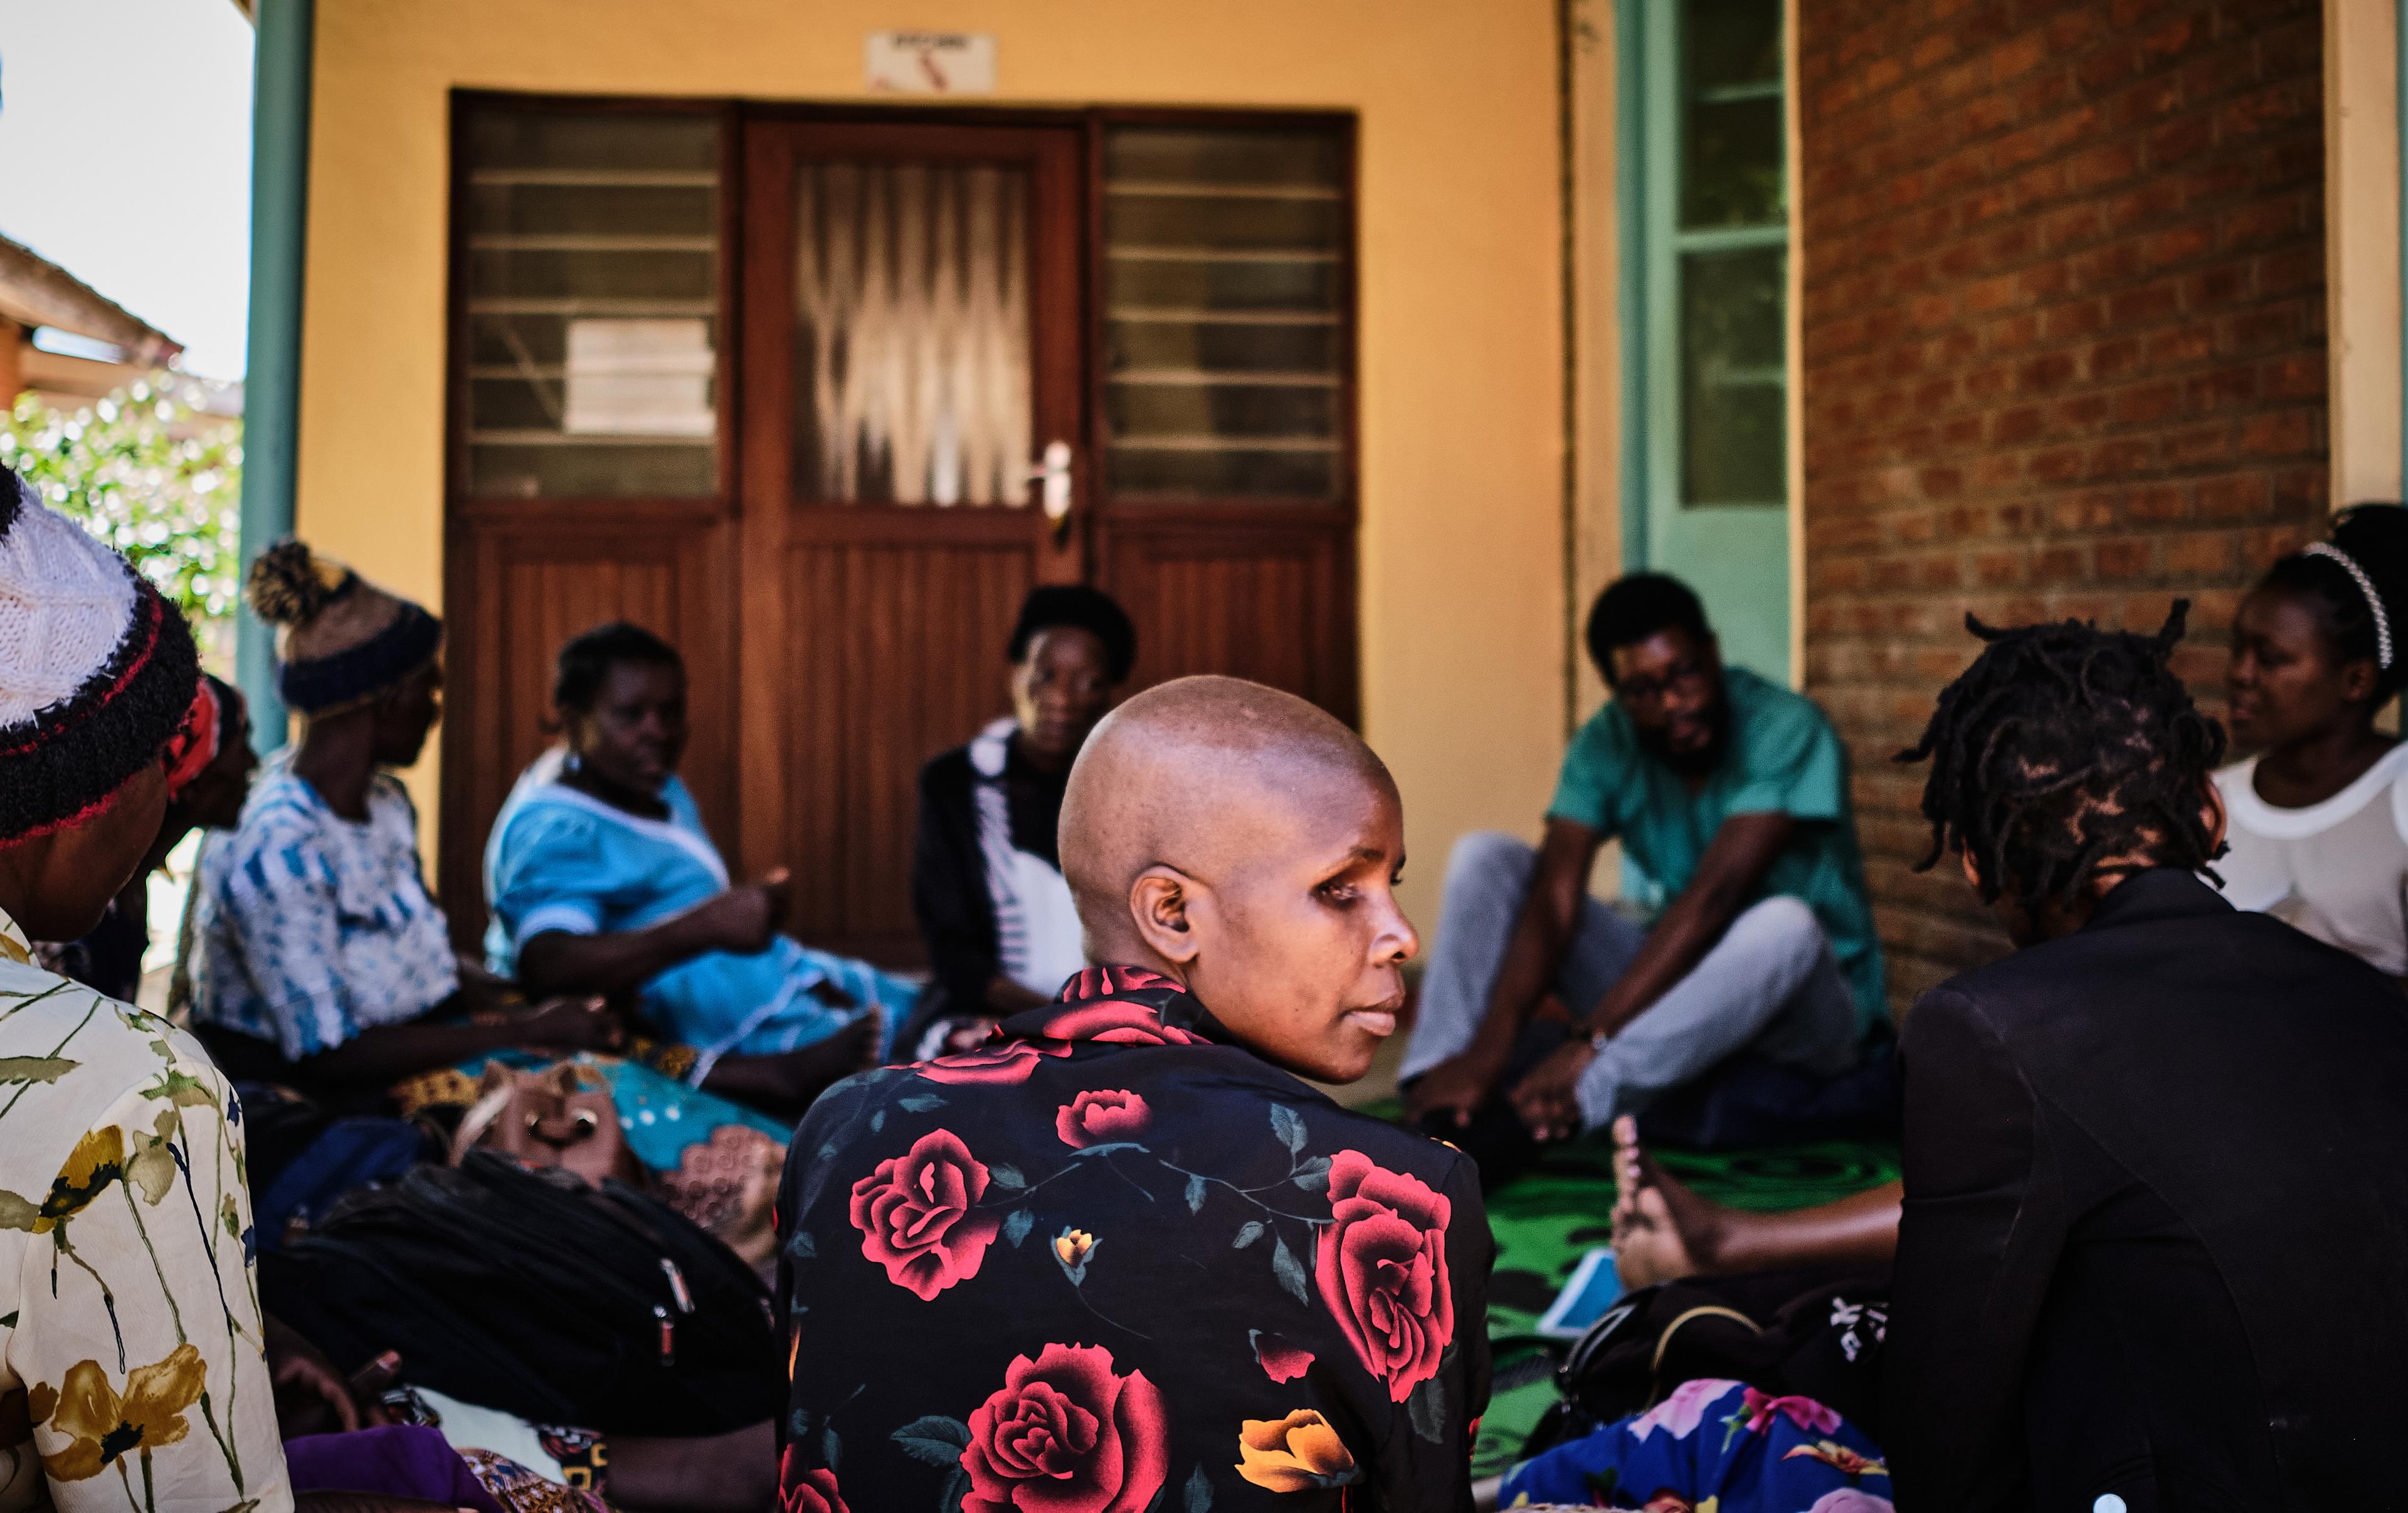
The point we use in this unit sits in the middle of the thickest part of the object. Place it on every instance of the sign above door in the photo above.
(931, 63)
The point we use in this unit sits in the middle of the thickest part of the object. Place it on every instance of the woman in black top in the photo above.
(987, 880)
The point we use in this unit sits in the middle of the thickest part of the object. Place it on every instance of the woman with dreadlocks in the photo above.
(2151, 1243)
(2319, 829)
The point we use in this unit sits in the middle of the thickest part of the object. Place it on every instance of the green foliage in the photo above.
(149, 475)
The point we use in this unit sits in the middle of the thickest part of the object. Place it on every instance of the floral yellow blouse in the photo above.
(131, 1367)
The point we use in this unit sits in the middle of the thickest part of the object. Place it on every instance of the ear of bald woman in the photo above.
(1247, 845)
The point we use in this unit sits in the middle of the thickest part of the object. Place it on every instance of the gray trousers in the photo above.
(1771, 985)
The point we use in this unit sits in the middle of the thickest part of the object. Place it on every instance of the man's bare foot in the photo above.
(1661, 1230)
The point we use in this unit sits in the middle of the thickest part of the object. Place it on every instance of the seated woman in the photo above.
(987, 880)
(318, 958)
(2318, 825)
(602, 880)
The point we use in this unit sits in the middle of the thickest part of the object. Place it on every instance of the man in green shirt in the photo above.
(1729, 793)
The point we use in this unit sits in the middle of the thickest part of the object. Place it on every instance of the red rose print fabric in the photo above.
(807, 1489)
(916, 1217)
(1111, 1262)
(1093, 1117)
(1072, 1434)
(1381, 1270)
(1118, 1024)
(1006, 1064)
(1281, 1361)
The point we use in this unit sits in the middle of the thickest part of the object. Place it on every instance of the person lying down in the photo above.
(1119, 1256)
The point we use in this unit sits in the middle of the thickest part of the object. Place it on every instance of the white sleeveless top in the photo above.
(2338, 870)
(1038, 942)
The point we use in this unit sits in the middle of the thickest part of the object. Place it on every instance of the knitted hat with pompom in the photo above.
(342, 640)
(97, 671)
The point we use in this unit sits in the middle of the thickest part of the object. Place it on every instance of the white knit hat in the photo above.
(97, 671)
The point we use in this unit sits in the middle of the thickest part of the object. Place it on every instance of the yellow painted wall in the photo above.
(1461, 552)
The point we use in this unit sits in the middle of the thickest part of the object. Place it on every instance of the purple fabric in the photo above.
(398, 1461)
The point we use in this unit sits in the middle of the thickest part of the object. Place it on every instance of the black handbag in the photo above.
(532, 1293)
(1809, 1333)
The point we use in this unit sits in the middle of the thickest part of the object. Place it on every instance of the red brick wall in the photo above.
(2064, 353)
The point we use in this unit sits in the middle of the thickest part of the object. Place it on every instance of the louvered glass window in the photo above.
(1225, 287)
(592, 305)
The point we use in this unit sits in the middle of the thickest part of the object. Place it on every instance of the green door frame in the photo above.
(280, 213)
(1630, 219)
(1647, 110)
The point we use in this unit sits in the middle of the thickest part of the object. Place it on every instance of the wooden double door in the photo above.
(940, 360)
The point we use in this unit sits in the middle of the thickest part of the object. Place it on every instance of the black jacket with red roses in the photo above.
(1112, 1261)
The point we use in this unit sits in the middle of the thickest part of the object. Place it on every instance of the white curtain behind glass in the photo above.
(913, 344)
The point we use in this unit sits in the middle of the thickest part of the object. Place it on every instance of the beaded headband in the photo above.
(2374, 600)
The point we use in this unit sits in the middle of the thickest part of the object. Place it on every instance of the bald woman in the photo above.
(1121, 1249)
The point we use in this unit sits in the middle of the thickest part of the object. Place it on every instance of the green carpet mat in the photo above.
(1545, 1223)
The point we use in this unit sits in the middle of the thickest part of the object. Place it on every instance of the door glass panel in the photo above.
(1734, 408)
(591, 279)
(1734, 175)
(1730, 93)
(1733, 44)
(1727, 256)
(913, 353)
(1707, 257)
(1224, 283)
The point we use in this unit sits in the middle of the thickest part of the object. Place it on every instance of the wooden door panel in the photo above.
(899, 653)
(874, 610)
(522, 587)
(1269, 597)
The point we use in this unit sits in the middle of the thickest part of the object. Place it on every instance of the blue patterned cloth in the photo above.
(560, 859)
(308, 928)
(1713, 1446)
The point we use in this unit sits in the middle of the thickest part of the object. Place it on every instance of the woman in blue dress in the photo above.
(602, 879)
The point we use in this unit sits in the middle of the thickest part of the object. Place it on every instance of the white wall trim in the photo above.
(2362, 234)
(1597, 479)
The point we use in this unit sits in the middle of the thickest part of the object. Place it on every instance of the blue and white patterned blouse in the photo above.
(309, 928)
(561, 859)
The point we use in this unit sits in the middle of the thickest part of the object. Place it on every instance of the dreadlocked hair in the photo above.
(2063, 746)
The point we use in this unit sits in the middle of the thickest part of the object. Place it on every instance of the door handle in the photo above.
(1053, 470)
